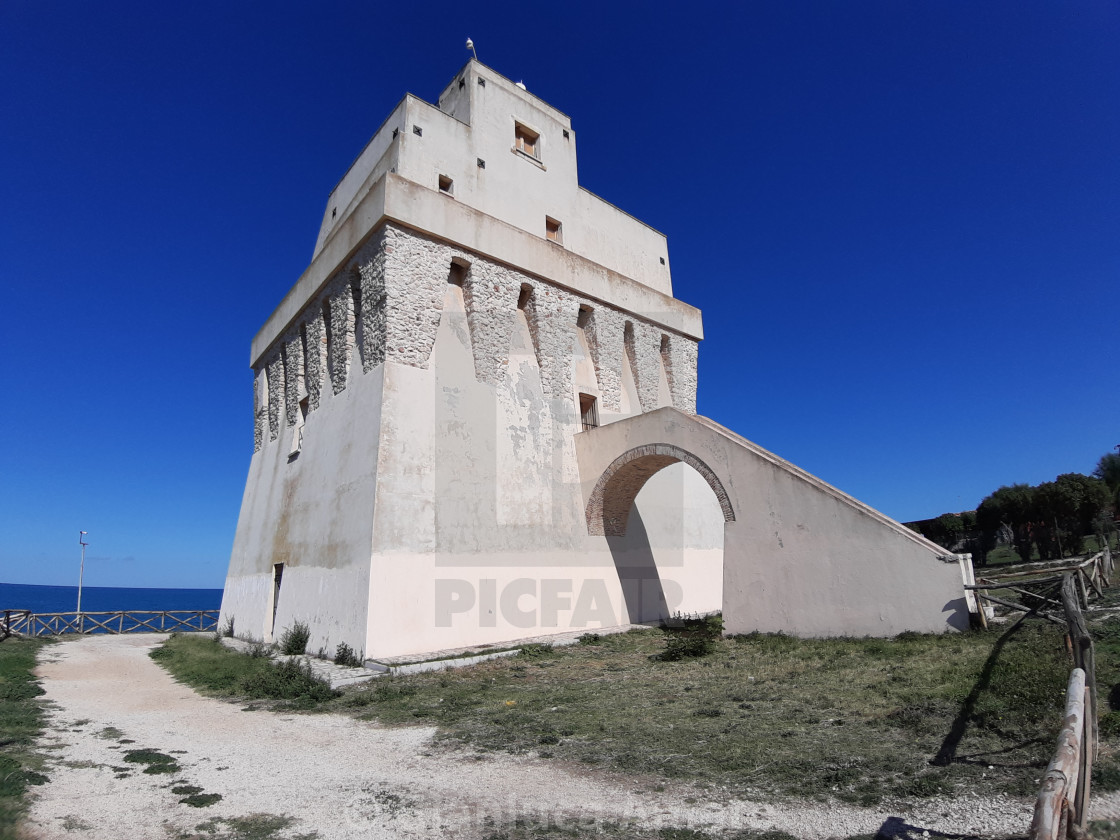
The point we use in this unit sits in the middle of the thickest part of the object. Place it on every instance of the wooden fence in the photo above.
(27, 623)
(1062, 808)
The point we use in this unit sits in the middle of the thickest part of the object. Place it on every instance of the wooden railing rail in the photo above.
(1062, 808)
(27, 623)
(1054, 812)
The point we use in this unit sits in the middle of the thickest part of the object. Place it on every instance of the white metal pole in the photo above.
(81, 575)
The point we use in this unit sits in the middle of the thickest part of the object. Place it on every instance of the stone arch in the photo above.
(608, 509)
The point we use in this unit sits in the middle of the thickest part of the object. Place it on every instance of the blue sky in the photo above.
(900, 220)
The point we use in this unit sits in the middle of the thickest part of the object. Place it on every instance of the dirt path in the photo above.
(330, 776)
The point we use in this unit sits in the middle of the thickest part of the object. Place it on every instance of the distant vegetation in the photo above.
(1055, 519)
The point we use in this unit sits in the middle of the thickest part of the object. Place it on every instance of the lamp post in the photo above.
(81, 574)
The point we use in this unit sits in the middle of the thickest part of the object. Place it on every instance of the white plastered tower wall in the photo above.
(417, 395)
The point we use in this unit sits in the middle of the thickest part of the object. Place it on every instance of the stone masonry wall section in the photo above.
(293, 374)
(679, 355)
(259, 410)
(275, 394)
(340, 345)
(315, 355)
(490, 293)
(398, 280)
(604, 340)
(643, 349)
(552, 313)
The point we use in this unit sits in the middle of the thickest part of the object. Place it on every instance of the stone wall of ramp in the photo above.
(800, 556)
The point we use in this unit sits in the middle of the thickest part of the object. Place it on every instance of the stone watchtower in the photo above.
(468, 311)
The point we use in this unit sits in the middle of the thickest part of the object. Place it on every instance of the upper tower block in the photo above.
(500, 150)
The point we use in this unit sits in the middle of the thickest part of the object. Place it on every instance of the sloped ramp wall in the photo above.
(800, 556)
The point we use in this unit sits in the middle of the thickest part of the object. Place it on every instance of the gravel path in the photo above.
(342, 778)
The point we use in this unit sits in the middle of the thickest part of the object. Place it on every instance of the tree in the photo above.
(1067, 509)
(1108, 471)
(1012, 505)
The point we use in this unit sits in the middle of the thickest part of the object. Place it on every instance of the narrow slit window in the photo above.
(457, 275)
(526, 140)
(553, 230)
(445, 185)
(588, 412)
(523, 297)
(583, 317)
(277, 578)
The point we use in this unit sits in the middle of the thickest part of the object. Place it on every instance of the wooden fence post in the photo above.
(1062, 775)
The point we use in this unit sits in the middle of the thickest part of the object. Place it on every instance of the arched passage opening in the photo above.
(608, 509)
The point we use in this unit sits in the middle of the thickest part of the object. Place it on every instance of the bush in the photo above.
(227, 628)
(344, 655)
(691, 637)
(288, 680)
(293, 641)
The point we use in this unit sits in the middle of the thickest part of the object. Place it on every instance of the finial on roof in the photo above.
(522, 85)
(470, 46)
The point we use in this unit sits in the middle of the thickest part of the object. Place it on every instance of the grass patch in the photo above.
(21, 721)
(857, 719)
(201, 662)
(201, 800)
(251, 827)
(534, 827)
(155, 763)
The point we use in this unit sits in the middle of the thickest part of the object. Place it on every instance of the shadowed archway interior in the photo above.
(608, 509)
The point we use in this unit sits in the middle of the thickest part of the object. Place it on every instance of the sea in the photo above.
(53, 599)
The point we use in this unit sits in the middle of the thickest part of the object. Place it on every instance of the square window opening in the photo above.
(446, 185)
(418, 131)
(553, 230)
(583, 317)
(526, 140)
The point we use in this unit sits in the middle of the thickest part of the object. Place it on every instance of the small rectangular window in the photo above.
(418, 131)
(553, 230)
(445, 184)
(481, 82)
(526, 140)
(588, 412)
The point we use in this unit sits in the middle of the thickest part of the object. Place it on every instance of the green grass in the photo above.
(21, 721)
(202, 662)
(857, 719)
(251, 827)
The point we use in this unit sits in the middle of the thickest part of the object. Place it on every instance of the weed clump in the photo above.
(294, 639)
(534, 650)
(691, 637)
(344, 655)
